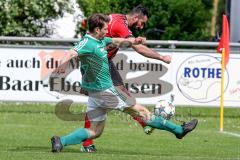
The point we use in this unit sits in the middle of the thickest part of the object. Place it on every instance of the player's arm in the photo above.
(69, 55)
(147, 52)
(72, 54)
(121, 30)
(63, 67)
(128, 42)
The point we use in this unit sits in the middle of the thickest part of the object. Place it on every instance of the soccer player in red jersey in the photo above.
(121, 26)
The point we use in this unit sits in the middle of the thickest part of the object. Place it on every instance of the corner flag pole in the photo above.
(223, 48)
(222, 90)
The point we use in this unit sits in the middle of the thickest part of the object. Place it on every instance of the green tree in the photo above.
(221, 11)
(169, 19)
(30, 17)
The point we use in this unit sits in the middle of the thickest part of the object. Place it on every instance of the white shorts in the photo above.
(99, 103)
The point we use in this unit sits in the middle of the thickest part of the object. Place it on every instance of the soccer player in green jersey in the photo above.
(103, 96)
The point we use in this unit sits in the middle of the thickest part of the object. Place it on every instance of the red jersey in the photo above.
(117, 28)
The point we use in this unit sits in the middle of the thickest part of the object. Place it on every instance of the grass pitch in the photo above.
(25, 131)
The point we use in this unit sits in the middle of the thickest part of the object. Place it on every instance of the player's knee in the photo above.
(95, 133)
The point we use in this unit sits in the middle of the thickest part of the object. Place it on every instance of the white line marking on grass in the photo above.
(230, 133)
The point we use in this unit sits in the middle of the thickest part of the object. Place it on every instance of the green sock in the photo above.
(163, 124)
(75, 137)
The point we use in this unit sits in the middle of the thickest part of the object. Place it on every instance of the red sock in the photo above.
(140, 121)
(87, 125)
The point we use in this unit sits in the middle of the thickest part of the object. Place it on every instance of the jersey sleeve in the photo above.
(82, 47)
(107, 40)
(120, 29)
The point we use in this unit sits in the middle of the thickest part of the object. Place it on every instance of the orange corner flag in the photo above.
(224, 42)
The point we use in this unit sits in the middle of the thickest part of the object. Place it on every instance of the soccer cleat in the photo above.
(89, 149)
(148, 130)
(187, 127)
(56, 144)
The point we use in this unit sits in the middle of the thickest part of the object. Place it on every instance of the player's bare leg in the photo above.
(147, 129)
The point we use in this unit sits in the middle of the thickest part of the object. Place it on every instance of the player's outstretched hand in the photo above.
(167, 59)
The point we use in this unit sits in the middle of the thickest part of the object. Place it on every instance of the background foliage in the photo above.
(170, 19)
(30, 17)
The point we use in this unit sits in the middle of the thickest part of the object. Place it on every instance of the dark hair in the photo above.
(97, 20)
(141, 10)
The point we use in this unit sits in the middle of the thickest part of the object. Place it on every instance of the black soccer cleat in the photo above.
(56, 144)
(187, 127)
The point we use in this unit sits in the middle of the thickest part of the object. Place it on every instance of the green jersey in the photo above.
(94, 63)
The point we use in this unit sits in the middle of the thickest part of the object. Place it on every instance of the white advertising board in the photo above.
(194, 78)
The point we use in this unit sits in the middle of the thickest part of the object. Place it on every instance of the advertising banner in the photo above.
(41, 75)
